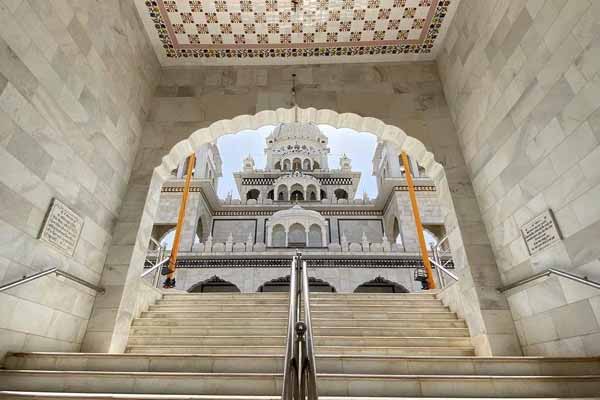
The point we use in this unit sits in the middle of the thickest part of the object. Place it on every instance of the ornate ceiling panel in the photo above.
(188, 32)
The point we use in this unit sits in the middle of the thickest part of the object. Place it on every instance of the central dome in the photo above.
(297, 130)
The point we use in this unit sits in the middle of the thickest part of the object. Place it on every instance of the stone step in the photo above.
(187, 349)
(212, 314)
(425, 351)
(274, 308)
(383, 341)
(250, 322)
(208, 340)
(284, 302)
(282, 330)
(209, 322)
(255, 301)
(317, 314)
(356, 341)
(221, 307)
(21, 395)
(183, 295)
(348, 385)
(376, 315)
(380, 365)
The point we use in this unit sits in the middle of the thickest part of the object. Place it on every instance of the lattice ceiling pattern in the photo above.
(271, 29)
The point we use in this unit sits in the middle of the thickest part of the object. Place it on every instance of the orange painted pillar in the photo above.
(181, 217)
(419, 225)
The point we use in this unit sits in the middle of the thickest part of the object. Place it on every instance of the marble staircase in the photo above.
(231, 346)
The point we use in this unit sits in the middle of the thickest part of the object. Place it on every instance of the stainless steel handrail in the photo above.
(161, 259)
(440, 268)
(290, 366)
(50, 271)
(308, 380)
(583, 280)
(299, 371)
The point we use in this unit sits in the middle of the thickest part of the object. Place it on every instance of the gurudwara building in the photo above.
(298, 202)
(473, 273)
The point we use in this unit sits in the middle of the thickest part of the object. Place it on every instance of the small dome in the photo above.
(296, 212)
(297, 130)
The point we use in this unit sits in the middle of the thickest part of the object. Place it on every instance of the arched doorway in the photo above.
(381, 285)
(283, 285)
(252, 194)
(214, 284)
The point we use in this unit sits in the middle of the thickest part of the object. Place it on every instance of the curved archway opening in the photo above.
(278, 236)
(341, 194)
(297, 236)
(252, 194)
(214, 284)
(315, 236)
(381, 285)
(282, 284)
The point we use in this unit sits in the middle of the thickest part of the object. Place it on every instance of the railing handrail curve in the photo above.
(443, 269)
(50, 271)
(149, 270)
(551, 271)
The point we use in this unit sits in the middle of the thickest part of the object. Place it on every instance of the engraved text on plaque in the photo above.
(540, 233)
(62, 227)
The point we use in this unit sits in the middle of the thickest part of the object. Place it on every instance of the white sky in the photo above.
(359, 146)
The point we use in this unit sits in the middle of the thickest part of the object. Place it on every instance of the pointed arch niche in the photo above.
(471, 250)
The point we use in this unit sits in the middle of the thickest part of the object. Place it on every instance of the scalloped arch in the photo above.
(415, 148)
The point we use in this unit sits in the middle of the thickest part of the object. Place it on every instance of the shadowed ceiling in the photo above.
(233, 32)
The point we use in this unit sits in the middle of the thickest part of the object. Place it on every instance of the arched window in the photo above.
(167, 239)
(278, 236)
(252, 194)
(159, 231)
(341, 194)
(306, 165)
(287, 165)
(323, 194)
(282, 193)
(311, 192)
(381, 285)
(214, 285)
(296, 236)
(271, 194)
(316, 165)
(278, 165)
(315, 237)
(296, 164)
(296, 193)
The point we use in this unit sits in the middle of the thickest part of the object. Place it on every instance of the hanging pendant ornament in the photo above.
(294, 104)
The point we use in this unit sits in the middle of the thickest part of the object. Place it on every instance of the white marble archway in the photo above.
(482, 306)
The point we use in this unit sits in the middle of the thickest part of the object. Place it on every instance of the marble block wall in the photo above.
(75, 82)
(409, 96)
(523, 85)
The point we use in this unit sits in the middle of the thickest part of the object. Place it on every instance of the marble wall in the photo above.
(75, 82)
(523, 85)
(409, 96)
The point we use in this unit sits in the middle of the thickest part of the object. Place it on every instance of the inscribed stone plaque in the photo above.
(540, 233)
(62, 227)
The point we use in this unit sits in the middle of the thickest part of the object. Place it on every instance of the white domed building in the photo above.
(298, 202)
